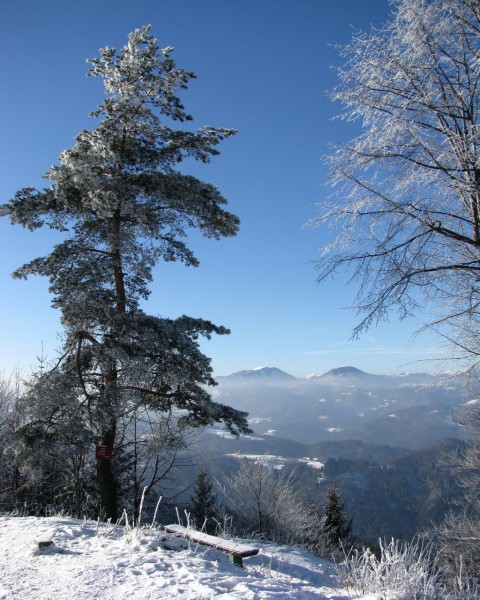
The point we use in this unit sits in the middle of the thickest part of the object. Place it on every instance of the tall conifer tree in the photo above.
(335, 524)
(123, 207)
(202, 502)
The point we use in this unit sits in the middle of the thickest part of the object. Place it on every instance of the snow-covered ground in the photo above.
(90, 560)
(278, 462)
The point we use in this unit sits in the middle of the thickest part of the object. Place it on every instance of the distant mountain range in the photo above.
(341, 376)
(410, 410)
(380, 439)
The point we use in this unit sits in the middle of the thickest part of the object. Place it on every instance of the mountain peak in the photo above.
(348, 376)
(260, 375)
(345, 372)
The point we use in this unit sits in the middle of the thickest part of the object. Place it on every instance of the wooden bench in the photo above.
(236, 550)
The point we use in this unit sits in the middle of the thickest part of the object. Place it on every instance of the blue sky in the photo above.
(263, 67)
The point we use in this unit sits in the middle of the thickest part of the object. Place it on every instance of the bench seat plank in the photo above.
(228, 546)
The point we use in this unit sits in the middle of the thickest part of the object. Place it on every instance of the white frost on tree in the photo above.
(123, 207)
(406, 208)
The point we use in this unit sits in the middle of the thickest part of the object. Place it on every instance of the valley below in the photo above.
(383, 441)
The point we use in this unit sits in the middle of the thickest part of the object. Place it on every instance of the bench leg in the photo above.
(236, 560)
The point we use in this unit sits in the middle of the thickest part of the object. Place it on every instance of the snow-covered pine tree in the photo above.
(123, 207)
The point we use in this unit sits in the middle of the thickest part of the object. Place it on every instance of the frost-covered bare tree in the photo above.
(263, 502)
(407, 199)
(154, 448)
(123, 207)
(465, 464)
(406, 211)
(457, 537)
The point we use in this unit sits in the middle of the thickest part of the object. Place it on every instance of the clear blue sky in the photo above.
(263, 67)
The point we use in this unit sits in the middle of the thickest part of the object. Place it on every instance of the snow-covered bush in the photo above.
(403, 571)
(11, 417)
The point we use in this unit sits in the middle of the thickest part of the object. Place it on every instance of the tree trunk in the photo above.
(106, 479)
(105, 474)
(118, 274)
